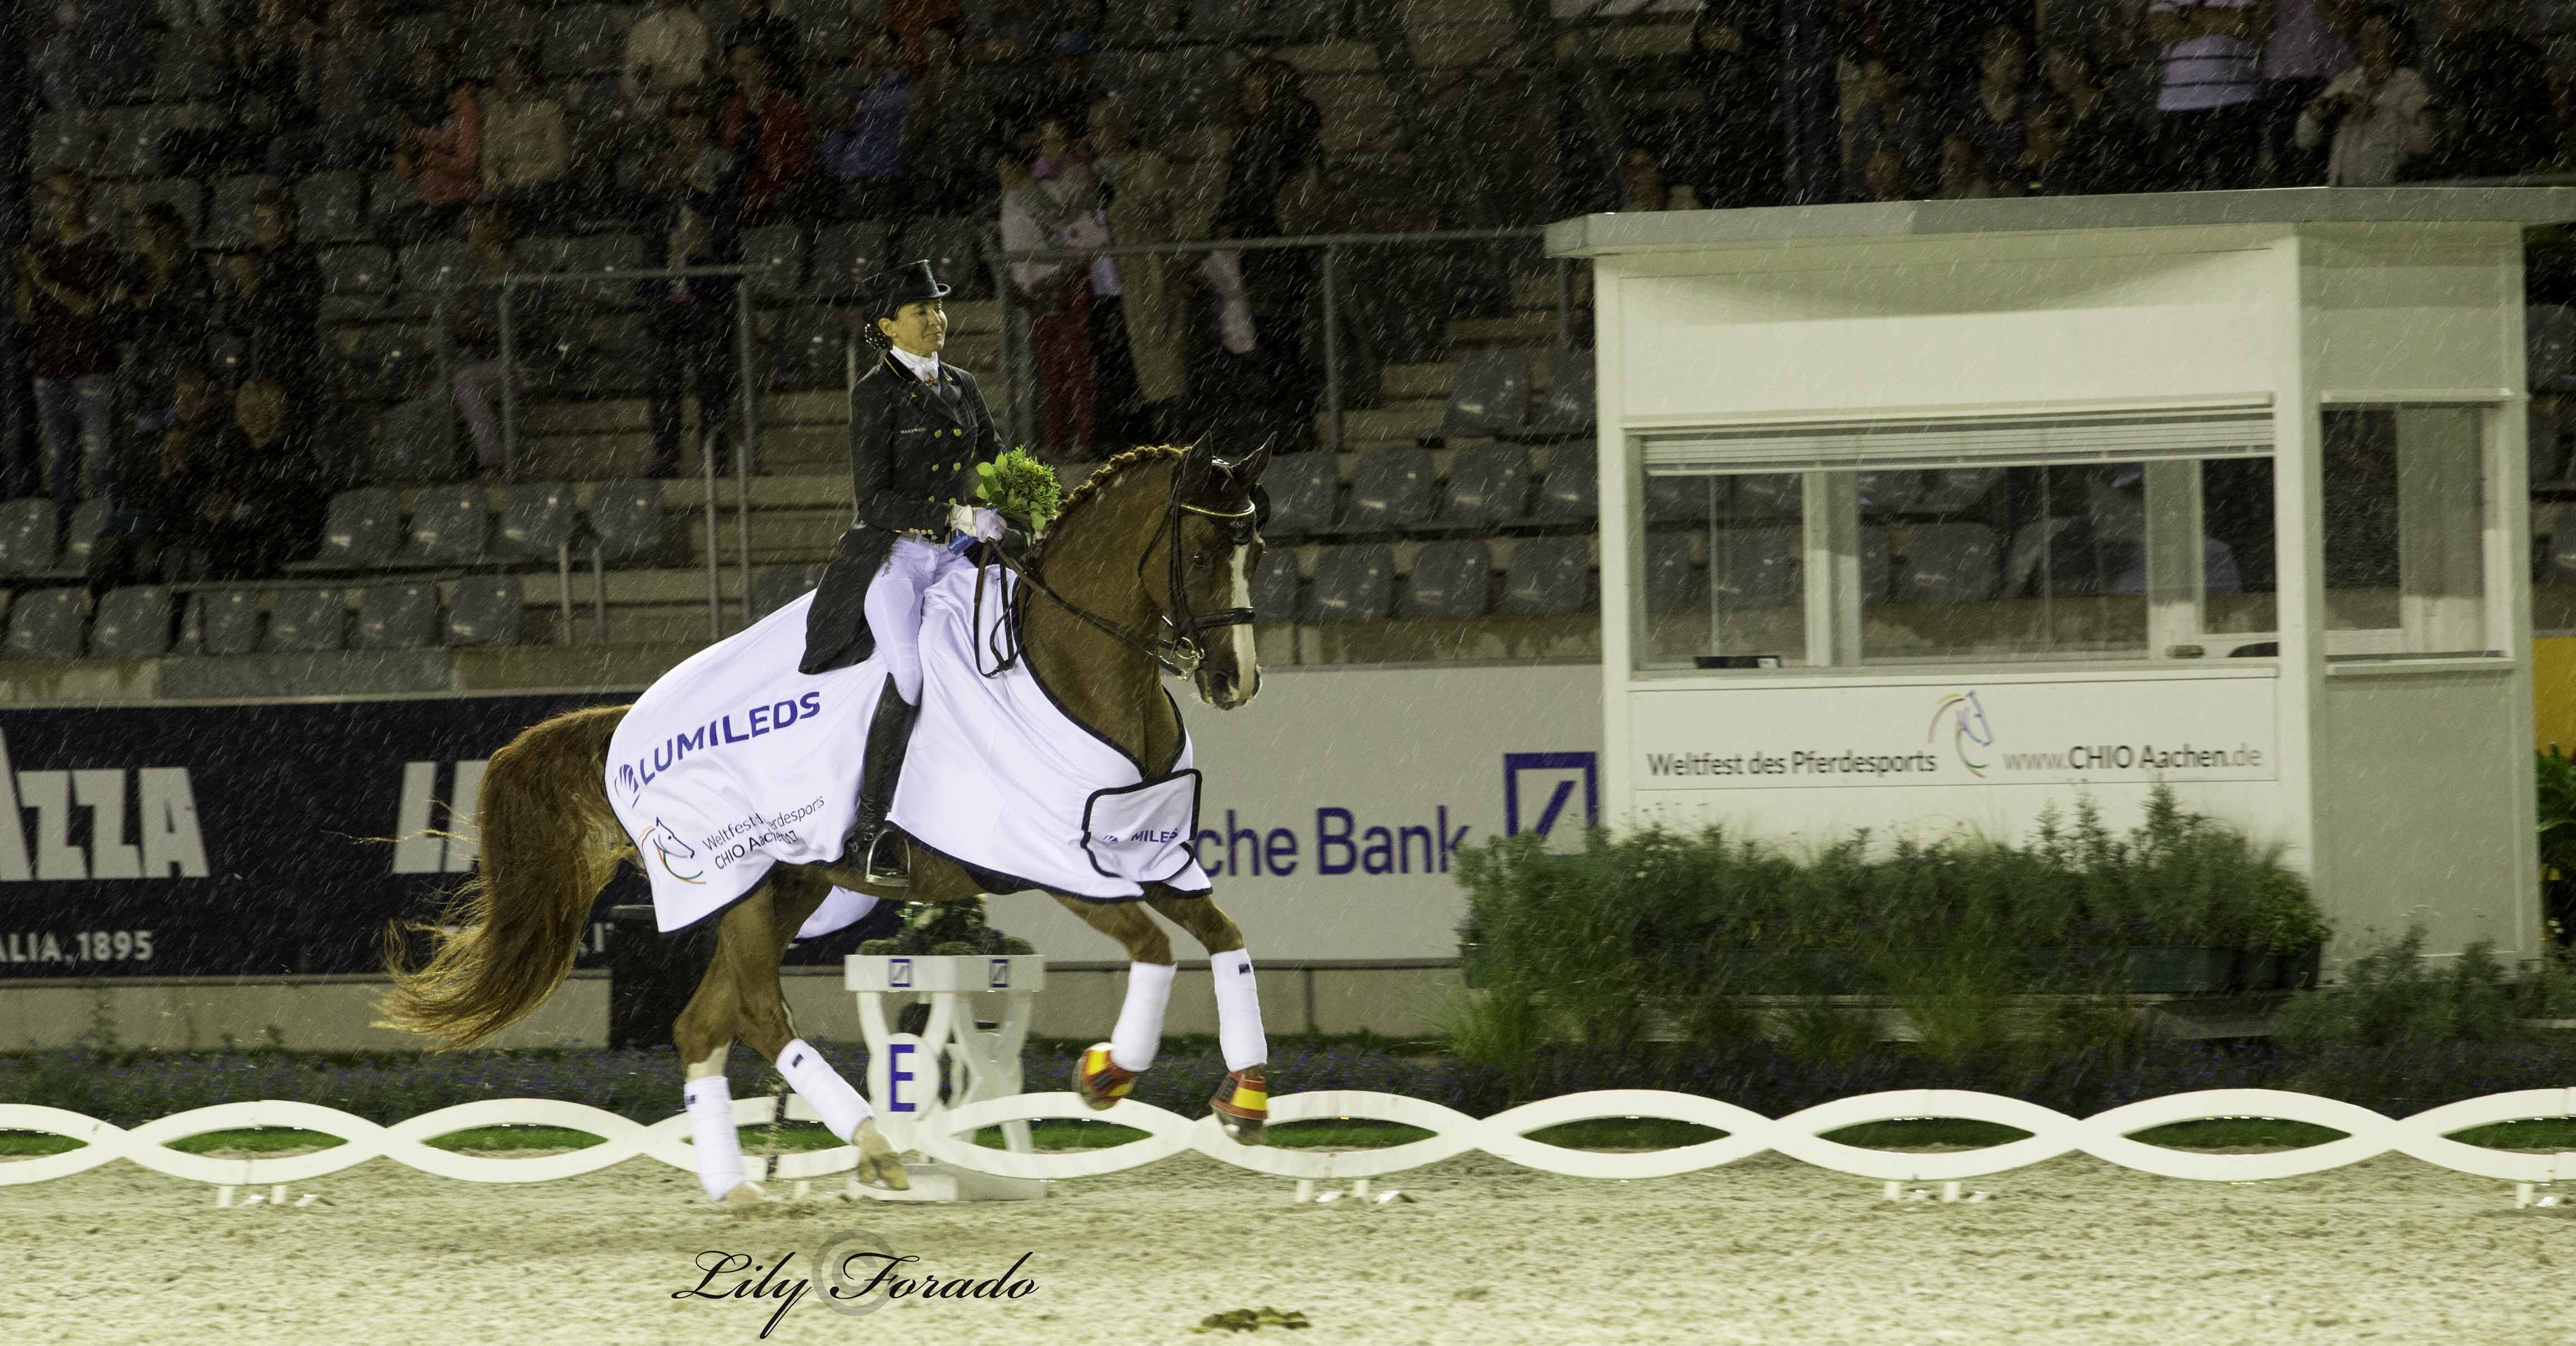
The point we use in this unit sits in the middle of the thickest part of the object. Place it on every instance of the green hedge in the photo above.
(1656, 922)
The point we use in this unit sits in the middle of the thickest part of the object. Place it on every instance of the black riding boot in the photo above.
(876, 844)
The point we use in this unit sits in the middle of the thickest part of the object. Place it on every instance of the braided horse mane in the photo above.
(1101, 477)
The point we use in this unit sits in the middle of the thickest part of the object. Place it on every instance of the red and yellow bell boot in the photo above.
(1100, 1080)
(1242, 1105)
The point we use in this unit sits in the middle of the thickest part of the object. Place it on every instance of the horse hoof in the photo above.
(1242, 1106)
(1100, 1080)
(745, 1194)
(878, 1165)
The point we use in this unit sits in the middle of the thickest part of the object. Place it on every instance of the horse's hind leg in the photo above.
(1242, 1101)
(1107, 1070)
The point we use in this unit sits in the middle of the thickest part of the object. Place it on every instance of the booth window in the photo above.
(2405, 530)
(2132, 537)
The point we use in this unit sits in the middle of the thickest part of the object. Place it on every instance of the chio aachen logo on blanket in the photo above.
(716, 733)
(667, 844)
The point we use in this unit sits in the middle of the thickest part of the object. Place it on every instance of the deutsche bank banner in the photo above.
(1957, 733)
(280, 838)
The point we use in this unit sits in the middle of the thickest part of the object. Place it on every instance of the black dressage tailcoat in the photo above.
(913, 452)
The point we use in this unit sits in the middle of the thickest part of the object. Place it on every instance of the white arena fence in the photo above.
(1799, 1135)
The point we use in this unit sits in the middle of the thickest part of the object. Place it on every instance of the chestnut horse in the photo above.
(1150, 554)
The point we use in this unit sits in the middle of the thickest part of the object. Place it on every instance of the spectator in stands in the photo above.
(765, 126)
(1887, 176)
(164, 304)
(2490, 95)
(2376, 112)
(438, 148)
(1965, 174)
(1067, 90)
(1890, 118)
(1278, 146)
(1145, 207)
(253, 76)
(666, 51)
(474, 325)
(276, 300)
(2306, 51)
(1737, 131)
(95, 54)
(2101, 148)
(64, 281)
(864, 148)
(267, 502)
(163, 490)
(694, 216)
(1015, 35)
(1992, 114)
(759, 24)
(911, 21)
(489, 32)
(2209, 119)
(948, 129)
(1048, 204)
(347, 87)
(1642, 185)
(525, 151)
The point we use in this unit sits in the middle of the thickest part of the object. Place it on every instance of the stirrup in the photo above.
(894, 873)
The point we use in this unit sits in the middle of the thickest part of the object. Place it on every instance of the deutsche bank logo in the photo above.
(898, 972)
(1538, 787)
(999, 975)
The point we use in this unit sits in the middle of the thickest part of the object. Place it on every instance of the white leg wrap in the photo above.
(717, 1145)
(812, 1077)
(1140, 1021)
(1238, 1010)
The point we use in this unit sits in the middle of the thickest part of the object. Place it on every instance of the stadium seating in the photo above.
(89, 519)
(1567, 411)
(45, 624)
(1488, 486)
(1571, 490)
(1882, 493)
(1274, 586)
(27, 530)
(228, 224)
(1547, 576)
(842, 256)
(331, 208)
(955, 247)
(1354, 584)
(809, 348)
(307, 621)
(1673, 582)
(1756, 567)
(628, 518)
(1391, 492)
(360, 528)
(415, 441)
(397, 617)
(228, 621)
(774, 587)
(449, 526)
(779, 251)
(1673, 499)
(1488, 396)
(132, 623)
(356, 281)
(537, 519)
(1304, 489)
(487, 610)
(1950, 563)
(1449, 579)
(425, 269)
(1956, 490)
(585, 39)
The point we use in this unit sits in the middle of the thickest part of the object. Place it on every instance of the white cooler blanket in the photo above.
(734, 761)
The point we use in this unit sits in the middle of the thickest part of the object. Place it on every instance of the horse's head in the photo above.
(1220, 511)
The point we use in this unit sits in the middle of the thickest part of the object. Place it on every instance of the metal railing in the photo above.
(747, 390)
(1328, 281)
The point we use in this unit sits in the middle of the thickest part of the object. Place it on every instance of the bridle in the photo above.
(1176, 642)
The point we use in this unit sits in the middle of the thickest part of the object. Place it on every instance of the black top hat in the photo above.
(889, 290)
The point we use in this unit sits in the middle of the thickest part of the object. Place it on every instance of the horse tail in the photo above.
(509, 935)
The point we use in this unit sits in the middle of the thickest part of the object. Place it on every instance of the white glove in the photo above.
(988, 525)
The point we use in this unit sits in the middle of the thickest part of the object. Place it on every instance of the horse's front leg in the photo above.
(1107, 1070)
(1242, 1100)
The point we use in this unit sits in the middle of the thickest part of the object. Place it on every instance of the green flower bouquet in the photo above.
(1017, 485)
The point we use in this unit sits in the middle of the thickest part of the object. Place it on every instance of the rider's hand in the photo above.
(988, 524)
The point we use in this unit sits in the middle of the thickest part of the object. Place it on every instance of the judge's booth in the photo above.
(1930, 515)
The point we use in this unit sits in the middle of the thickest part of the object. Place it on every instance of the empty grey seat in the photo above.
(1390, 492)
(355, 282)
(1274, 586)
(809, 348)
(1951, 563)
(1673, 580)
(360, 528)
(1566, 411)
(426, 267)
(127, 139)
(954, 245)
(1303, 491)
(1488, 395)
(608, 253)
(843, 256)
(629, 519)
(26, 535)
(45, 624)
(80, 540)
(415, 440)
(332, 207)
(1768, 495)
(132, 623)
(1449, 579)
(1756, 567)
(1571, 490)
(1547, 576)
(57, 140)
(612, 355)
(228, 225)
(1672, 499)
(228, 621)
(1887, 492)
(2549, 336)
(537, 518)
(307, 621)
(1488, 485)
(487, 610)
(449, 525)
(397, 617)
(1354, 584)
(774, 587)
(779, 251)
